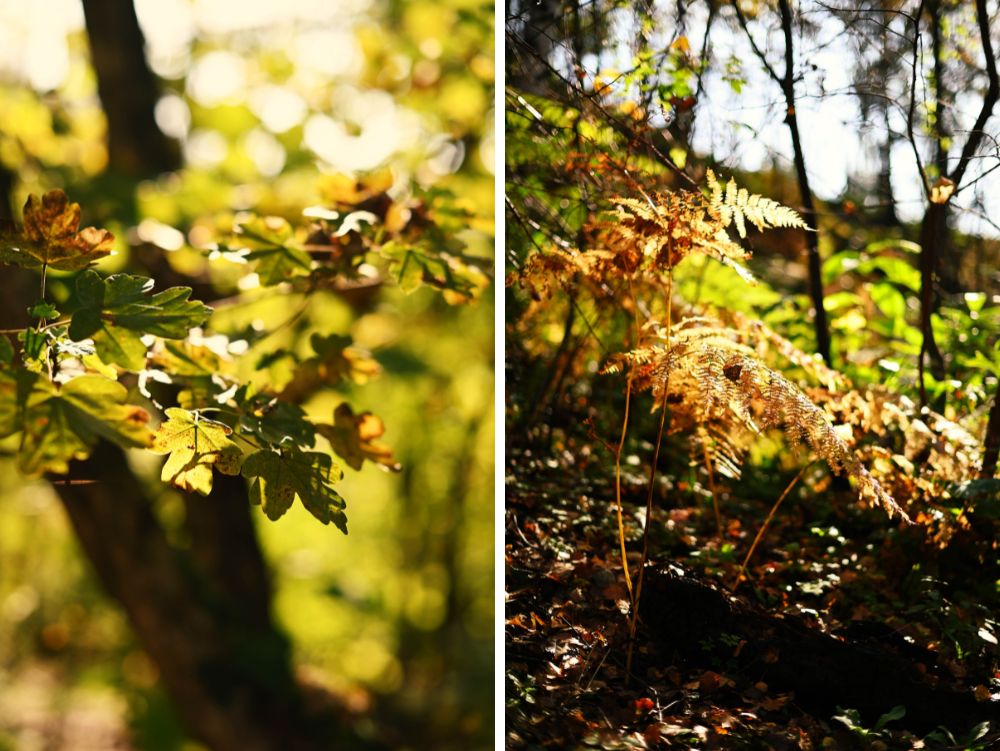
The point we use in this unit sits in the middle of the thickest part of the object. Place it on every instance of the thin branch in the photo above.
(989, 100)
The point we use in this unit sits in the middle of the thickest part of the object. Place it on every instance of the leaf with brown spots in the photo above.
(51, 236)
(354, 438)
(60, 423)
(195, 445)
(279, 476)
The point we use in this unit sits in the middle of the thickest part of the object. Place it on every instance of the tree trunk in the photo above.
(991, 444)
(934, 228)
(805, 192)
(128, 90)
(787, 84)
(204, 617)
(6, 194)
(933, 236)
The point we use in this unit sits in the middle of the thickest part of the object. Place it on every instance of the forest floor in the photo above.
(824, 562)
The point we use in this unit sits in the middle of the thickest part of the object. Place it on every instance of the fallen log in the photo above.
(698, 622)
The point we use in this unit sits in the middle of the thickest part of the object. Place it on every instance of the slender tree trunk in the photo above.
(128, 90)
(933, 232)
(787, 84)
(991, 445)
(934, 228)
(204, 618)
(805, 192)
(6, 194)
(945, 268)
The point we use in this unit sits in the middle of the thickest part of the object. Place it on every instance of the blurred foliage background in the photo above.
(270, 104)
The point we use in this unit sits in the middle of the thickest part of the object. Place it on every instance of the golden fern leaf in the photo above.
(767, 338)
(738, 206)
(712, 380)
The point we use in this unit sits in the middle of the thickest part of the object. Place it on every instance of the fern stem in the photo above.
(634, 620)
(711, 486)
(763, 527)
(621, 447)
(618, 489)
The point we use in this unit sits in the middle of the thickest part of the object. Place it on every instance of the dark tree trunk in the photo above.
(805, 192)
(933, 236)
(787, 84)
(128, 90)
(991, 444)
(934, 228)
(203, 616)
(6, 194)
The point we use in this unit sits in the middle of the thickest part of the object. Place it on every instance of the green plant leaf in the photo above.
(63, 423)
(279, 477)
(896, 713)
(274, 421)
(460, 277)
(184, 358)
(6, 350)
(195, 445)
(43, 310)
(115, 312)
(271, 243)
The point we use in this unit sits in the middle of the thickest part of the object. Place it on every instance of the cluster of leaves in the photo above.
(416, 241)
(872, 303)
(60, 391)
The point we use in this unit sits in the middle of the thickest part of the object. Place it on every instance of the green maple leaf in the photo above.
(272, 245)
(459, 277)
(51, 236)
(59, 423)
(279, 477)
(116, 311)
(274, 421)
(195, 444)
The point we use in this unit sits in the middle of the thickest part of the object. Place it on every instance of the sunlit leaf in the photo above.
(462, 279)
(278, 477)
(354, 438)
(185, 358)
(63, 423)
(51, 236)
(272, 246)
(116, 311)
(942, 190)
(195, 445)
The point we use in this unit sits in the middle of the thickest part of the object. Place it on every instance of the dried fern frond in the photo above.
(723, 447)
(738, 206)
(677, 226)
(922, 453)
(558, 267)
(767, 338)
(712, 380)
